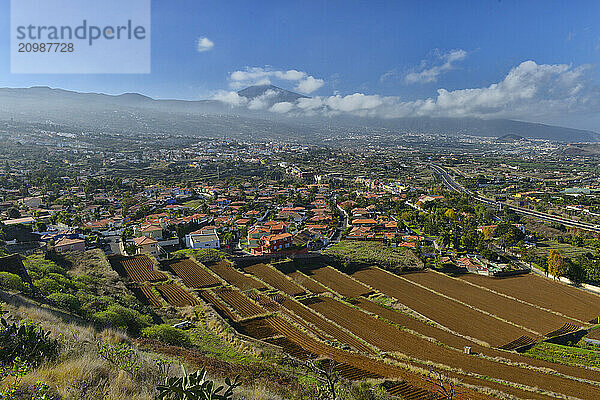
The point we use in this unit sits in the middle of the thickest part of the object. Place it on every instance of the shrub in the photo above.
(167, 334)
(92, 304)
(66, 301)
(48, 286)
(120, 317)
(11, 281)
(206, 256)
(26, 341)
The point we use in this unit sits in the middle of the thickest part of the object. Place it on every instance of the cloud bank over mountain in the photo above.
(528, 91)
(265, 76)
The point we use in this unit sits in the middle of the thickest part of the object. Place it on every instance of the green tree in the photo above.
(167, 334)
(556, 263)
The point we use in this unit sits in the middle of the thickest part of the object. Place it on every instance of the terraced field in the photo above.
(138, 268)
(192, 274)
(388, 338)
(315, 326)
(307, 282)
(294, 308)
(217, 304)
(401, 319)
(448, 313)
(152, 298)
(176, 296)
(542, 292)
(235, 277)
(341, 283)
(275, 278)
(523, 315)
(240, 303)
(309, 347)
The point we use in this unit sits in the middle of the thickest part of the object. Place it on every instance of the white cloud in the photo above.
(529, 91)
(204, 44)
(264, 76)
(310, 103)
(281, 107)
(262, 102)
(291, 75)
(427, 75)
(309, 85)
(231, 98)
(353, 102)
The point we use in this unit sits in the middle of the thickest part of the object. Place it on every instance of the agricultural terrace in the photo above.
(137, 268)
(275, 278)
(176, 296)
(301, 313)
(523, 315)
(307, 282)
(391, 339)
(556, 296)
(339, 282)
(567, 250)
(458, 342)
(240, 303)
(451, 314)
(192, 274)
(346, 332)
(397, 259)
(149, 296)
(226, 271)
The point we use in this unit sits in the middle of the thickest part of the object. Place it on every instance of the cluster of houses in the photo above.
(257, 219)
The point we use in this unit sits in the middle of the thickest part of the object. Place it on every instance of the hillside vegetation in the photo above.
(396, 259)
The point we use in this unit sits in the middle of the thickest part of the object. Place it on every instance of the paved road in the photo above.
(342, 226)
(452, 184)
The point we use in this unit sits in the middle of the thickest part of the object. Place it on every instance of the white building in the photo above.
(202, 239)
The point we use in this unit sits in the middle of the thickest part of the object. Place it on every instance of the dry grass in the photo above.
(79, 373)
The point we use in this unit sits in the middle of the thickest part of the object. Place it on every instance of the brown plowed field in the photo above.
(369, 365)
(307, 282)
(341, 335)
(176, 295)
(389, 338)
(152, 298)
(258, 328)
(304, 317)
(217, 304)
(275, 278)
(235, 277)
(338, 282)
(450, 314)
(141, 269)
(458, 342)
(545, 293)
(291, 348)
(521, 314)
(192, 274)
(240, 303)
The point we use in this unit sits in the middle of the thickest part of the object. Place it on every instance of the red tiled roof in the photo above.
(68, 242)
(278, 236)
(364, 221)
(144, 240)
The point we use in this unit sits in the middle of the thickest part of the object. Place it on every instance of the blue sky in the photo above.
(367, 47)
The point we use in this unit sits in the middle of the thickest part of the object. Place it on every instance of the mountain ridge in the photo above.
(140, 113)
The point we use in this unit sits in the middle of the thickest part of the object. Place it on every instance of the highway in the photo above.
(452, 184)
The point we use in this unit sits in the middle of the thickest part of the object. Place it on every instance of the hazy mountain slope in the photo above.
(138, 114)
(275, 94)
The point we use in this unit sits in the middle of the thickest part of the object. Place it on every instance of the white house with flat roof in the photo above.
(202, 239)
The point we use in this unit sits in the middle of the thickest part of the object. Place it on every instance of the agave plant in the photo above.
(195, 386)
